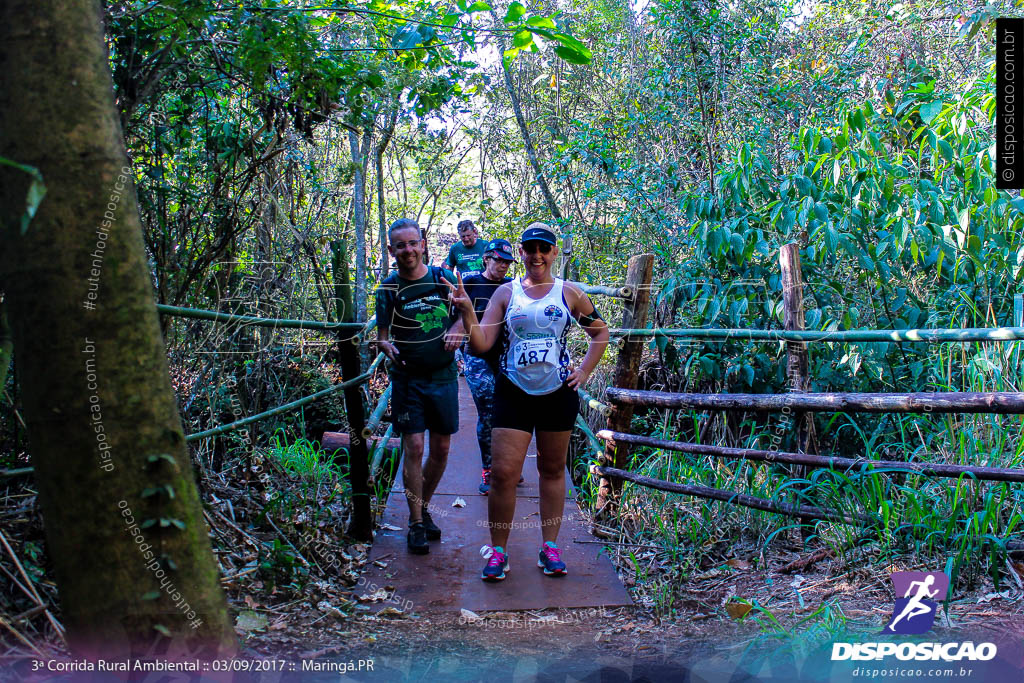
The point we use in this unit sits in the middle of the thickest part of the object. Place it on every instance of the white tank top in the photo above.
(534, 356)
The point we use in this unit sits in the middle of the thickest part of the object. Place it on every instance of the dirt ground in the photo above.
(749, 617)
(714, 635)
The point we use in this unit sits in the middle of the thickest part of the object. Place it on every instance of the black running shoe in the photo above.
(431, 529)
(417, 539)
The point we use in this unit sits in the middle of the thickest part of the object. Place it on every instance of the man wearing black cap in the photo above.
(481, 368)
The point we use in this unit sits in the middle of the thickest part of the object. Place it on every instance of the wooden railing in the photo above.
(622, 396)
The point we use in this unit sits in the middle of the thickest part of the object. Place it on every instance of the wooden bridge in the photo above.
(448, 579)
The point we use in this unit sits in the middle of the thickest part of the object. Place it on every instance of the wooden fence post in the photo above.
(796, 352)
(361, 523)
(627, 367)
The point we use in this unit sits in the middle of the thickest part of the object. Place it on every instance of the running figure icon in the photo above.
(915, 607)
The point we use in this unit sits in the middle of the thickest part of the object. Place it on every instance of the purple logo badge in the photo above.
(916, 593)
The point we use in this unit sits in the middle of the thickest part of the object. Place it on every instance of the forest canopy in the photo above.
(271, 143)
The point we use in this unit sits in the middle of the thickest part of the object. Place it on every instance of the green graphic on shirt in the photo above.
(436, 319)
(476, 264)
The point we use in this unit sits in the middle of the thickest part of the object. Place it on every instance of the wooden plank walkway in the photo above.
(448, 578)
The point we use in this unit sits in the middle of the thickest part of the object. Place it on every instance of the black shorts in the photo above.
(420, 404)
(516, 409)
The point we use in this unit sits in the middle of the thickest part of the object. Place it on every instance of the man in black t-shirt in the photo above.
(482, 370)
(419, 335)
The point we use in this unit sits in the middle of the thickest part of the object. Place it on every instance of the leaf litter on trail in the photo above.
(249, 620)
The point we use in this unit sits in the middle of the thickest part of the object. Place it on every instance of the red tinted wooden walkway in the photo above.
(448, 579)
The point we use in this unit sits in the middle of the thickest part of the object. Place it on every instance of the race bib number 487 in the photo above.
(533, 351)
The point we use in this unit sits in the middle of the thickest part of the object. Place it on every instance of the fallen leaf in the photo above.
(251, 621)
(710, 574)
(390, 527)
(390, 612)
(738, 564)
(458, 503)
(994, 596)
(380, 594)
(469, 616)
(327, 608)
(737, 610)
(797, 581)
(250, 602)
(1017, 571)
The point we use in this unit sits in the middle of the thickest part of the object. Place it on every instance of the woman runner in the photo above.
(536, 388)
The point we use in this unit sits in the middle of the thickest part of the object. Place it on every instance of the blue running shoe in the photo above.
(549, 560)
(497, 564)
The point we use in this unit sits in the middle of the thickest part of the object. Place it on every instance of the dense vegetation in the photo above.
(268, 138)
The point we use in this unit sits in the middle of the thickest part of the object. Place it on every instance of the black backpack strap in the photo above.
(389, 285)
(439, 282)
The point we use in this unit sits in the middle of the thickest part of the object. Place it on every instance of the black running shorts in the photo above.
(419, 405)
(516, 409)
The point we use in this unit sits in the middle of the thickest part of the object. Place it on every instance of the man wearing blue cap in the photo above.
(481, 369)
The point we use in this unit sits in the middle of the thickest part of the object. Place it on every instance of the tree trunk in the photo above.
(266, 269)
(627, 371)
(106, 438)
(360, 152)
(382, 146)
(6, 346)
(517, 109)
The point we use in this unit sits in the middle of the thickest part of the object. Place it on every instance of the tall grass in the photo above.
(304, 458)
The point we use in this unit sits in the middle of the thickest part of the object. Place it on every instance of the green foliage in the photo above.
(35, 194)
(709, 134)
(279, 566)
(304, 458)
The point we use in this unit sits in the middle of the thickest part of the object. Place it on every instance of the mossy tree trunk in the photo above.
(6, 345)
(133, 562)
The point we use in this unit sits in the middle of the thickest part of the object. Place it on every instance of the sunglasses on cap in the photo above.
(533, 246)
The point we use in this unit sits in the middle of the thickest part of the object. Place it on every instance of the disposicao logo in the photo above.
(914, 613)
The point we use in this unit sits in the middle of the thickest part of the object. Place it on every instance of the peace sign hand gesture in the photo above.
(458, 296)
